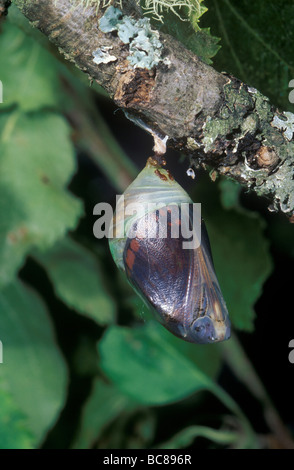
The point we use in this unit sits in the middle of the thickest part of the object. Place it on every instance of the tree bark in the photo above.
(213, 117)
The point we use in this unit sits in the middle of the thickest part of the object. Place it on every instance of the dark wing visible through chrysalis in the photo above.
(161, 271)
(211, 319)
(179, 284)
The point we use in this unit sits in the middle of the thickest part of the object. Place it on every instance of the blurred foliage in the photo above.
(154, 363)
(131, 370)
(78, 280)
(14, 431)
(33, 370)
(28, 175)
(257, 44)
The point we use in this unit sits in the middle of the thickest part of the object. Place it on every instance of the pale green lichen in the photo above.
(232, 116)
(110, 20)
(285, 125)
(280, 185)
(145, 49)
(247, 112)
(144, 45)
(102, 56)
(126, 30)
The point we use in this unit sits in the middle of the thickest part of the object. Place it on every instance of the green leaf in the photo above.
(196, 15)
(201, 42)
(33, 371)
(208, 360)
(257, 43)
(230, 194)
(29, 72)
(36, 164)
(102, 407)
(242, 262)
(187, 436)
(14, 433)
(78, 280)
(156, 372)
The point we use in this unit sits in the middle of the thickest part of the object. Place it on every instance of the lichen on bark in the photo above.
(145, 48)
(252, 148)
(212, 117)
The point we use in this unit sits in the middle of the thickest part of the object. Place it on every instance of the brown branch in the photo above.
(214, 118)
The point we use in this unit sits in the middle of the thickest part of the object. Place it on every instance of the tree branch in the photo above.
(213, 117)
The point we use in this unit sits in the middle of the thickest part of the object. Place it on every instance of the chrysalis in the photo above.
(178, 283)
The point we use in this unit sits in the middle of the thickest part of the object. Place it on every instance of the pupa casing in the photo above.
(178, 283)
